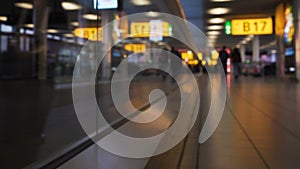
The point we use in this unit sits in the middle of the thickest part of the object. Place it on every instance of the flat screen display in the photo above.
(105, 4)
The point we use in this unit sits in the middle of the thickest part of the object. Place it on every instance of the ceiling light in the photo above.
(218, 11)
(3, 18)
(29, 25)
(140, 2)
(91, 16)
(248, 39)
(215, 27)
(213, 33)
(216, 20)
(52, 31)
(152, 14)
(221, 0)
(70, 6)
(69, 35)
(24, 5)
(244, 42)
(212, 37)
(75, 23)
(212, 41)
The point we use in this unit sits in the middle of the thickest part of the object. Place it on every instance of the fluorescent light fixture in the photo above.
(218, 11)
(56, 37)
(69, 35)
(248, 38)
(152, 14)
(216, 20)
(140, 2)
(22, 30)
(221, 0)
(29, 32)
(74, 23)
(24, 5)
(70, 6)
(212, 37)
(6, 28)
(292, 69)
(90, 16)
(215, 27)
(3, 18)
(29, 25)
(213, 33)
(244, 42)
(52, 31)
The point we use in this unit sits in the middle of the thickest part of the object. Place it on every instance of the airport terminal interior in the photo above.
(150, 84)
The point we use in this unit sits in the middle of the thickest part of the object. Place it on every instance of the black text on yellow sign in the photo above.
(89, 33)
(136, 48)
(261, 26)
(142, 29)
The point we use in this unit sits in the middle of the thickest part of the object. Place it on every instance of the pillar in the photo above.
(106, 17)
(280, 63)
(297, 37)
(255, 48)
(40, 21)
(243, 51)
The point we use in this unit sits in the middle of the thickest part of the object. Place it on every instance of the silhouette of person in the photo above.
(236, 61)
(223, 57)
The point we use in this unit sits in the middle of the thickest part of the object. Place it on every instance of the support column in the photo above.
(255, 48)
(242, 51)
(297, 37)
(280, 57)
(106, 17)
(40, 21)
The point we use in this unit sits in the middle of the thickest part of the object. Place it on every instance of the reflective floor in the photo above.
(259, 129)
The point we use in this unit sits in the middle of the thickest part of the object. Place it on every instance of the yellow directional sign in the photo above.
(136, 48)
(89, 33)
(142, 29)
(260, 26)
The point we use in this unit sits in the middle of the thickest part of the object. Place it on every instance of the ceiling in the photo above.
(195, 11)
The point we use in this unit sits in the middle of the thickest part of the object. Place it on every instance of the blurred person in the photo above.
(236, 61)
(223, 57)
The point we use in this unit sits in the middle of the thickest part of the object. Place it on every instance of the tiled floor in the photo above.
(260, 128)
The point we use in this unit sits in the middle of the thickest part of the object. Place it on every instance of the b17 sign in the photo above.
(259, 26)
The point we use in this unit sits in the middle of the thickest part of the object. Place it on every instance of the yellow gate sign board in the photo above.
(136, 48)
(89, 33)
(142, 29)
(260, 26)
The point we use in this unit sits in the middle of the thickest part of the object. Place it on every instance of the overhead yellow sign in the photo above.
(260, 26)
(142, 29)
(136, 48)
(89, 33)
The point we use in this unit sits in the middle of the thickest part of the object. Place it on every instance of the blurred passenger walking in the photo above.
(223, 57)
(236, 61)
